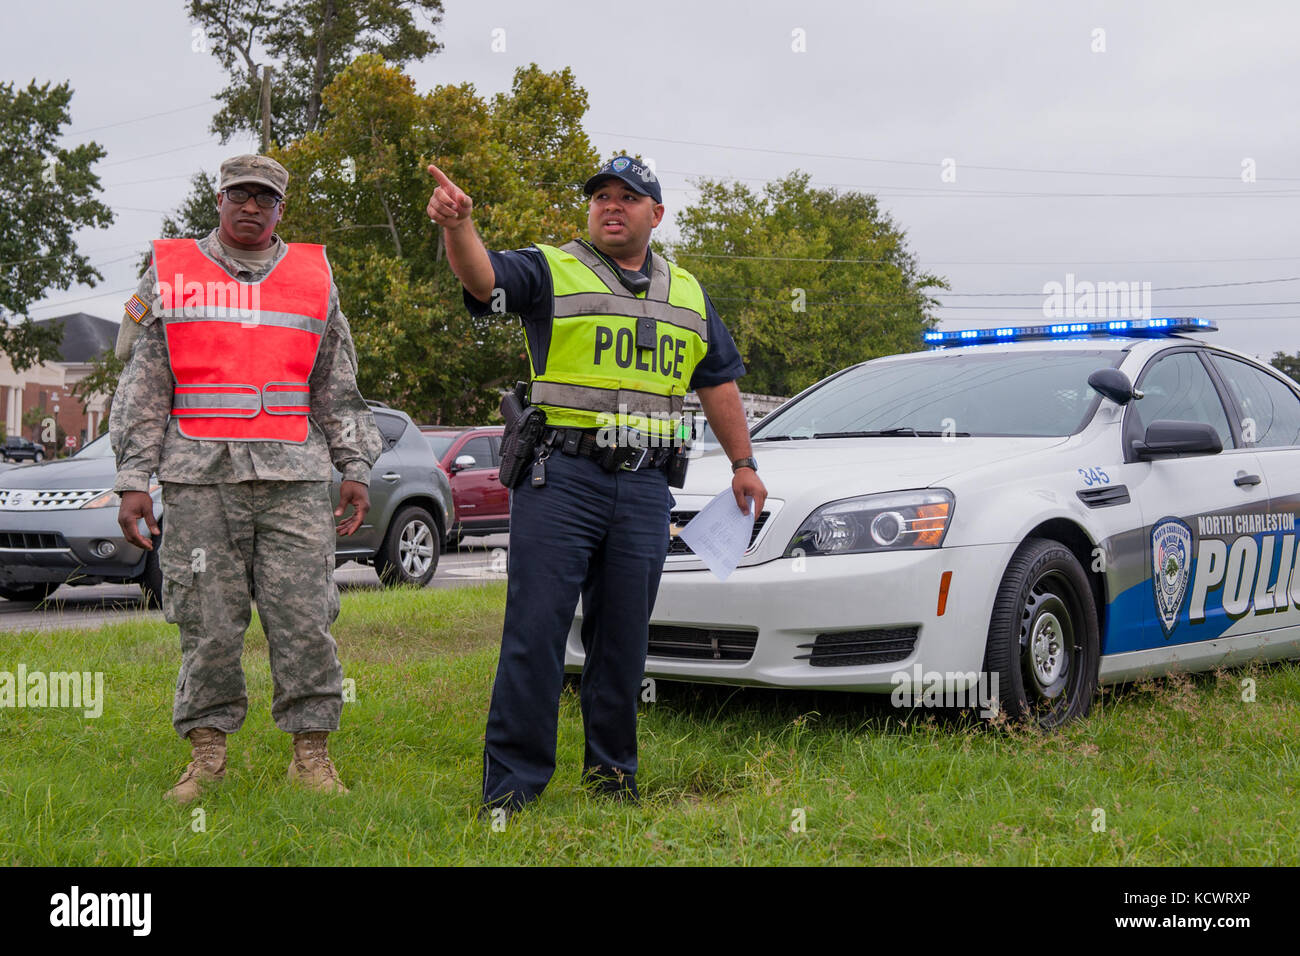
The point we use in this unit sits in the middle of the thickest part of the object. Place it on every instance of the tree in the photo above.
(193, 219)
(1287, 364)
(808, 280)
(46, 195)
(105, 370)
(359, 183)
(307, 43)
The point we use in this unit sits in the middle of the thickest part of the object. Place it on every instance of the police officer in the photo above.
(239, 391)
(615, 336)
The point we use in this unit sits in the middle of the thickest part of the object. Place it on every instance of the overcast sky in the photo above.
(1119, 129)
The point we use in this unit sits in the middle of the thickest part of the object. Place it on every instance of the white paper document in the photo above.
(719, 534)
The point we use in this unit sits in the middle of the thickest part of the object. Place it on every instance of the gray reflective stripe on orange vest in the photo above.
(660, 278)
(196, 404)
(588, 398)
(602, 303)
(278, 402)
(245, 317)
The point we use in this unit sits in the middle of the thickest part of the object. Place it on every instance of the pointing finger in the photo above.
(443, 181)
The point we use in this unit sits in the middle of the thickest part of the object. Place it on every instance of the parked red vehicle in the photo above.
(471, 457)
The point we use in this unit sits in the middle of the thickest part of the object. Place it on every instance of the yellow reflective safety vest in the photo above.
(594, 374)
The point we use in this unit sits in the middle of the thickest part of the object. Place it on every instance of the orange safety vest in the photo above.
(241, 352)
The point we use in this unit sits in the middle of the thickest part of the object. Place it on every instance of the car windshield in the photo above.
(99, 448)
(440, 444)
(1017, 394)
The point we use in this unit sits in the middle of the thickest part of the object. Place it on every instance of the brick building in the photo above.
(49, 386)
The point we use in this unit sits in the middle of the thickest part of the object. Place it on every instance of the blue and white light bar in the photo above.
(1070, 330)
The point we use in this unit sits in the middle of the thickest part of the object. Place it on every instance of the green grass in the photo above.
(1186, 772)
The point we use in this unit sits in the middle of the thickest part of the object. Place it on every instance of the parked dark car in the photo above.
(58, 520)
(18, 448)
(471, 459)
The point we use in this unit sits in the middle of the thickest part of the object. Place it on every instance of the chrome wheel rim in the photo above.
(415, 549)
(1046, 650)
(1047, 639)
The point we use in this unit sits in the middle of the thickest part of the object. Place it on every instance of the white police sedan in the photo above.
(1034, 510)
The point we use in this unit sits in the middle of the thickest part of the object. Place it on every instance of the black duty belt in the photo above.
(581, 441)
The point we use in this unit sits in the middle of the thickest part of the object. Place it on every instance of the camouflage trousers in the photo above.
(224, 545)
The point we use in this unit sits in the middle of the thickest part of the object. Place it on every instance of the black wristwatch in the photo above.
(744, 463)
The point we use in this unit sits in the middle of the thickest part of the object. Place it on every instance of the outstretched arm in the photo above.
(450, 208)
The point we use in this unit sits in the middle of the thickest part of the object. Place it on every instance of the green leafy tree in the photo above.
(46, 195)
(807, 280)
(105, 370)
(360, 184)
(193, 219)
(307, 43)
(1287, 364)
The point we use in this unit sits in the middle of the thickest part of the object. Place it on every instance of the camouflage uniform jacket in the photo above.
(146, 439)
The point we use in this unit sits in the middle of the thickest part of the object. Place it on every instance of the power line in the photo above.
(990, 262)
(1166, 288)
(956, 192)
(84, 298)
(137, 119)
(60, 255)
(930, 164)
(161, 152)
(1195, 305)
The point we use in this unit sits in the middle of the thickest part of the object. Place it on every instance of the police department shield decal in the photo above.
(1171, 558)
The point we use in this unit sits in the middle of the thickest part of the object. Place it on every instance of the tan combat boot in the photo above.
(207, 768)
(311, 766)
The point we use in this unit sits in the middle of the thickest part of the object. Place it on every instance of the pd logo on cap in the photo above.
(620, 164)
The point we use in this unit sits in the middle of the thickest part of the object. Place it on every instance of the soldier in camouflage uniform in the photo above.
(247, 517)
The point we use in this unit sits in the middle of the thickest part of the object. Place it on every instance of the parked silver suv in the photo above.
(58, 520)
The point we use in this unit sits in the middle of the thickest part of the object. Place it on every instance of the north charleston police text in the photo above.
(667, 359)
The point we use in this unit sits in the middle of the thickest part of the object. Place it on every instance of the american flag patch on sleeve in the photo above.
(137, 308)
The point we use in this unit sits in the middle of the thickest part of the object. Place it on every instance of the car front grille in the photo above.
(61, 499)
(881, 645)
(32, 541)
(681, 518)
(701, 643)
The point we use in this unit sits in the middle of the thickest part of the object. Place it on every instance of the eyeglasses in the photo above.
(239, 195)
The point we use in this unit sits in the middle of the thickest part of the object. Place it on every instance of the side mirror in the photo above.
(1113, 384)
(463, 462)
(1169, 438)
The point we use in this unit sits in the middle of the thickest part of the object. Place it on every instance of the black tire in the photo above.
(1043, 641)
(151, 580)
(38, 458)
(29, 592)
(409, 554)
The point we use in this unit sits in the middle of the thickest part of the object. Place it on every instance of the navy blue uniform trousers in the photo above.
(602, 536)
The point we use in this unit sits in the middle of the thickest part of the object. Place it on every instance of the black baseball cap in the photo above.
(639, 177)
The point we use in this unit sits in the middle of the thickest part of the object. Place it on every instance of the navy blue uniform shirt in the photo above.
(525, 280)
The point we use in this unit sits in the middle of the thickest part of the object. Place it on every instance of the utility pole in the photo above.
(266, 108)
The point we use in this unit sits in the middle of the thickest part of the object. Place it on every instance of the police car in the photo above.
(1044, 508)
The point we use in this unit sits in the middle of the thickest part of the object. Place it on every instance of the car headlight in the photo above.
(108, 499)
(111, 499)
(893, 521)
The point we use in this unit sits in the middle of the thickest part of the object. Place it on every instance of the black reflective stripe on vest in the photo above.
(245, 317)
(602, 303)
(590, 399)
